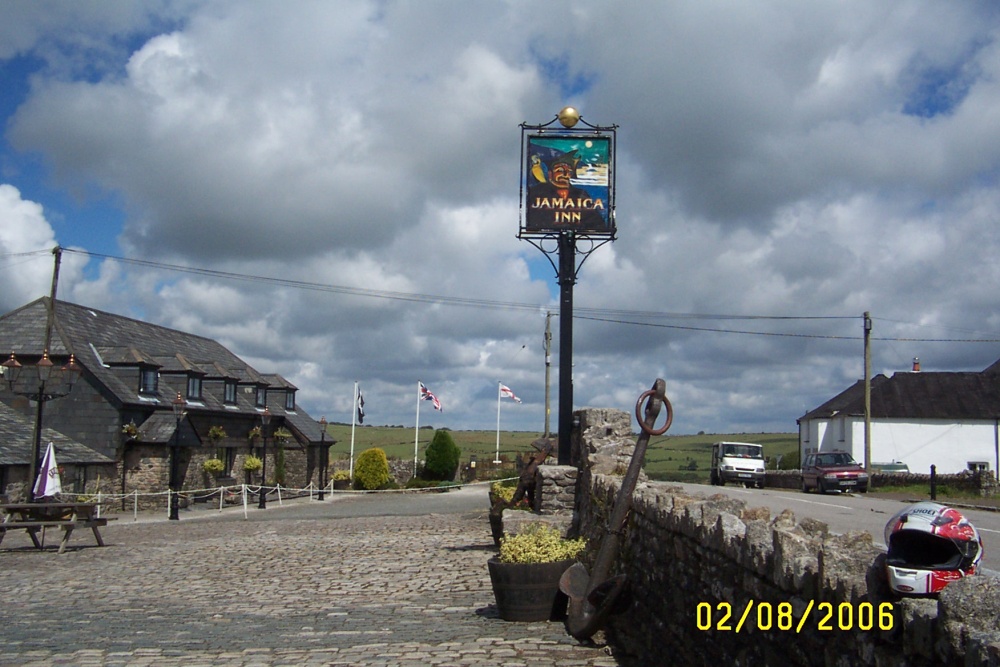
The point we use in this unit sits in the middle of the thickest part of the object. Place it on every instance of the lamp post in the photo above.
(265, 419)
(324, 454)
(178, 405)
(41, 391)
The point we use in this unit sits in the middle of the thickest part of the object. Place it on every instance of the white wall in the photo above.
(919, 444)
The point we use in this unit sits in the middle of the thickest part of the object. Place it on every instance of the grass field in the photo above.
(673, 458)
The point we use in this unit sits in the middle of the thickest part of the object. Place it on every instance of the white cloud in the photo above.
(780, 159)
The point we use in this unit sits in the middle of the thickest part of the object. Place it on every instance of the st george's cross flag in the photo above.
(505, 392)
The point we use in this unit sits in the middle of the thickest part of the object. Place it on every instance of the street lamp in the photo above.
(40, 392)
(178, 405)
(265, 419)
(324, 455)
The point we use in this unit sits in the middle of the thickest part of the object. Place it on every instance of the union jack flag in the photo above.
(426, 395)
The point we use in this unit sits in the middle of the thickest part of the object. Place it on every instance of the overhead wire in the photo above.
(611, 316)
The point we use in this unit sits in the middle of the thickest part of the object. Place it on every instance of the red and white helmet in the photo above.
(930, 545)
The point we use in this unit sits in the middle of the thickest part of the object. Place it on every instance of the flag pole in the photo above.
(496, 459)
(416, 431)
(354, 418)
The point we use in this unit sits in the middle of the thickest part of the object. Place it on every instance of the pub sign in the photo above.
(568, 184)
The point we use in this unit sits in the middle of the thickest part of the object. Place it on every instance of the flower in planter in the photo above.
(254, 433)
(130, 430)
(213, 466)
(252, 463)
(216, 433)
(539, 543)
(282, 435)
(341, 476)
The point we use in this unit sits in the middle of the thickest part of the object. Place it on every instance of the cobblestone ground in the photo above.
(384, 590)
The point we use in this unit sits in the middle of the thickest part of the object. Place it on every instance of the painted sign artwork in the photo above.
(567, 182)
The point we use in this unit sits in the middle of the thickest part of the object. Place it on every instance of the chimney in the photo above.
(916, 364)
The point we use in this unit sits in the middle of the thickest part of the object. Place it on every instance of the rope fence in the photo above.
(239, 494)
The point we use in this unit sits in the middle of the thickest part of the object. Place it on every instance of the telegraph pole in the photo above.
(868, 392)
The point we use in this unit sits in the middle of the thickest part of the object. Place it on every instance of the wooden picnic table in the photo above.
(33, 517)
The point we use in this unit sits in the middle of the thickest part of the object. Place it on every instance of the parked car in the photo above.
(894, 466)
(833, 471)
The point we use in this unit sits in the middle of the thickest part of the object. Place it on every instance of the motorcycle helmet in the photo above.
(930, 545)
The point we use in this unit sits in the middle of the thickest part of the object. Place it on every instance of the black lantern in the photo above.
(47, 384)
(178, 405)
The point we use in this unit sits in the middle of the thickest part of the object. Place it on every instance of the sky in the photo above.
(342, 179)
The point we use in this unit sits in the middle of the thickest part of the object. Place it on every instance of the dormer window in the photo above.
(194, 388)
(230, 393)
(149, 380)
(289, 400)
(261, 397)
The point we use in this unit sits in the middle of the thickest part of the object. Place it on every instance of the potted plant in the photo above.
(501, 495)
(341, 479)
(252, 463)
(213, 466)
(525, 575)
(215, 434)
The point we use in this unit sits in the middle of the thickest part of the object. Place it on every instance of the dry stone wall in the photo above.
(698, 568)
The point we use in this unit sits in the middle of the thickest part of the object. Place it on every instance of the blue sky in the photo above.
(776, 161)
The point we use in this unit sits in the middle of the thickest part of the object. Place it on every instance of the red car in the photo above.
(833, 471)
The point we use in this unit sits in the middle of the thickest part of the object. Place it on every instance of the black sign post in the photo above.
(567, 196)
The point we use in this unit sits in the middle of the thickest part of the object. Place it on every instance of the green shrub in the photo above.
(371, 470)
(213, 466)
(417, 483)
(441, 457)
(539, 543)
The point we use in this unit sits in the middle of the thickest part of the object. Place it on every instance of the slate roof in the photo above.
(112, 348)
(920, 395)
(17, 431)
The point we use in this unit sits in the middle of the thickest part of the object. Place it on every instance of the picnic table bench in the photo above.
(34, 517)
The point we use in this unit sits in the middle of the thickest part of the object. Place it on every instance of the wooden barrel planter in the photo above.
(496, 527)
(529, 591)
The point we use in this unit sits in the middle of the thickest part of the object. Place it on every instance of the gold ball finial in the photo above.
(568, 117)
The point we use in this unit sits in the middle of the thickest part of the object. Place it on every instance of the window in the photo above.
(230, 397)
(261, 398)
(289, 400)
(194, 387)
(148, 381)
(978, 466)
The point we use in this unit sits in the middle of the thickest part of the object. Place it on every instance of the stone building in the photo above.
(122, 407)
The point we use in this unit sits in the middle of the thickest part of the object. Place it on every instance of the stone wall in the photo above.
(696, 565)
(981, 483)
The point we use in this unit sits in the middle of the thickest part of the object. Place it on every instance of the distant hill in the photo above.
(671, 457)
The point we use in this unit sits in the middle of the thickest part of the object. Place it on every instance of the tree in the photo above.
(441, 457)
(371, 470)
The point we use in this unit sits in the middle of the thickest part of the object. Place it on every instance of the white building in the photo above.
(949, 420)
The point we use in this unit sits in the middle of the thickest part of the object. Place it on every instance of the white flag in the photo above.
(48, 483)
(505, 392)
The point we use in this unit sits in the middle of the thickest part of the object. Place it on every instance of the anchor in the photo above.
(593, 597)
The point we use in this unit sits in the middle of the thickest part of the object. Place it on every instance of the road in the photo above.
(846, 512)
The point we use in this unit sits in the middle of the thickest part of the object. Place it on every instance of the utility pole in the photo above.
(868, 392)
(548, 366)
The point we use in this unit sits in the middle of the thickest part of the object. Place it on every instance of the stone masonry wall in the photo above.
(696, 565)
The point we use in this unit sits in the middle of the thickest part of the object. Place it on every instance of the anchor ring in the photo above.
(649, 393)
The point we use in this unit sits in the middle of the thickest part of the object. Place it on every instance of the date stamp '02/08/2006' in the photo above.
(766, 616)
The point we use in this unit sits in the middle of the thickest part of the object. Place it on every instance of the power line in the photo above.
(611, 316)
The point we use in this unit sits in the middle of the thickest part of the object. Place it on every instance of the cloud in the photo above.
(776, 161)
